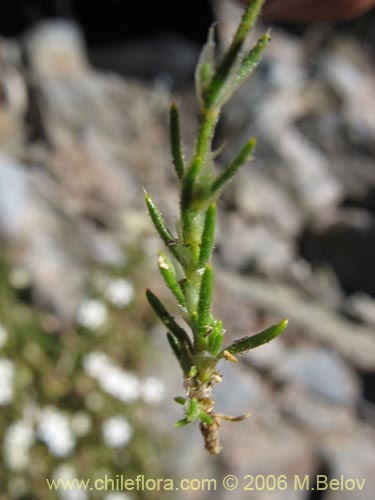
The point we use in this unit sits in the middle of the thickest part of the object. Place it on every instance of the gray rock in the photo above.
(170, 57)
(266, 356)
(16, 199)
(244, 246)
(320, 372)
(314, 413)
(322, 283)
(312, 318)
(56, 49)
(362, 306)
(345, 239)
(252, 447)
(260, 198)
(307, 169)
(353, 80)
(351, 455)
(31, 232)
(243, 390)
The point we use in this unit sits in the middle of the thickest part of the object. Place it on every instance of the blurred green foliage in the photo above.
(49, 373)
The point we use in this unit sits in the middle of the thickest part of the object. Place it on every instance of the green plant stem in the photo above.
(203, 146)
(191, 280)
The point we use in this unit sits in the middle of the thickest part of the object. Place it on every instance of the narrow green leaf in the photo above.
(185, 359)
(159, 223)
(181, 423)
(174, 346)
(193, 411)
(257, 340)
(181, 352)
(215, 340)
(224, 81)
(205, 299)
(168, 272)
(208, 236)
(252, 58)
(180, 400)
(228, 173)
(205, 418)
(248, 20)
(169, 321)
(176, 144)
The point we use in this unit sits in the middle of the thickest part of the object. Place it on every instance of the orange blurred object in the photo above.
(302, 11)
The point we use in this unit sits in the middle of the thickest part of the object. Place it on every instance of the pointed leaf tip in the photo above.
(252, 58)
(253, 341)
(231, 169)
(168, 272)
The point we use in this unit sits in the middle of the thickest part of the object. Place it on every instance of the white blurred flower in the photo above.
(96, 363)
(92, 314)
(123, 386)
(119, 292)
(81, 423)
(153, 390)
(19, 278)
(18, 440)
(117, 431)
(55, 432)
(117, 495)
(112, 379)
(3, 335)
(7, 372)
(66, 472)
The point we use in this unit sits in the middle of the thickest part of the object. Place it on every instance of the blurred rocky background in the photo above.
(86, 377)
